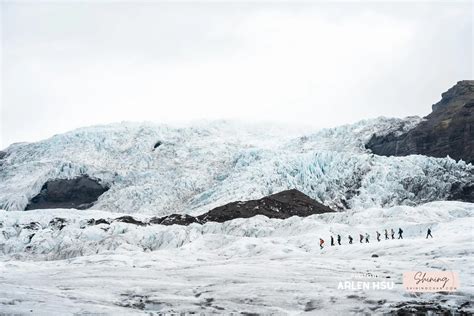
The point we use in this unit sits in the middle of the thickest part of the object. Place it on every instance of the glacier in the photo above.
(53, 261)
(254, 265)
(208, 164)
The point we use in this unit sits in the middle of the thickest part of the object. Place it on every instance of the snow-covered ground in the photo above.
(256, 265)
(210, 164)
(53, 262)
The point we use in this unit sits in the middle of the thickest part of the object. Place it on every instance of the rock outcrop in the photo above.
(79, 193)
(280, 205)
(175, 219)
(157, 144)
(448, 130)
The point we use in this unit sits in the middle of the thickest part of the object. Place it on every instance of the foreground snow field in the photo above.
(256, 265)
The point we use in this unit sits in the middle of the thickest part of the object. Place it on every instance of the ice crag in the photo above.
(159, 170)
(65, 233)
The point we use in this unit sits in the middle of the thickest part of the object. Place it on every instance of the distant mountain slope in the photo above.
(200, 167)
(448, 130)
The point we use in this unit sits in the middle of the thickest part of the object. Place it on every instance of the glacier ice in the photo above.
(36, 235)
(254, 265)
(205, 165)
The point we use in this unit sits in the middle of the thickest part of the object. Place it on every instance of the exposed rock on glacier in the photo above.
(128, 220)
(281, 205)
(79, 193)
(447, 131)
(157, 144)
(175, 219)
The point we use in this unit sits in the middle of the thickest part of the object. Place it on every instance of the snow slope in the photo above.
(209, 164)
(256, 265)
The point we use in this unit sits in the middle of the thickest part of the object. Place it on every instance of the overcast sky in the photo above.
(76, 64)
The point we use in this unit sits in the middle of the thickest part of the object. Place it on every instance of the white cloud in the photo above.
(69, 65)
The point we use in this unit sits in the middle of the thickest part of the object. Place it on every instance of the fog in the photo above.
(66, 65)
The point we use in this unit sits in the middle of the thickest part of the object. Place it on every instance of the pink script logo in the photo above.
(431, 281)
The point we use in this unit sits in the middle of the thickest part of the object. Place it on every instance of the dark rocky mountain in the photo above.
(280, 205)
(448, 130)
(79, 193)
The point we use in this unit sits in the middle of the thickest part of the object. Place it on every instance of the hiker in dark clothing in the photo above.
(392, 233)
(386, 234)
(400, 232)
(378, 236)
(321, 243)
(332, 241)
(339, 239)
(350, 239)
(361, 238)
(429, 233)
(367, 238)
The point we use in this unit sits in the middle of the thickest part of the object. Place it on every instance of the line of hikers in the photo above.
(367, 237)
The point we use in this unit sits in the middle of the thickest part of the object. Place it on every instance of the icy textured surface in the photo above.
(53, 262)
(210, 164)
(256, 265)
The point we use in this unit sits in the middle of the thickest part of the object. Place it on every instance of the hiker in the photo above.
(321, 243)
(350, 239)
(378, 236)
(339, 239)
(400, 232)
(393, 233)
(332, 241)
(367, 238)
(386, 234)
(361, 238)
(429, 233)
